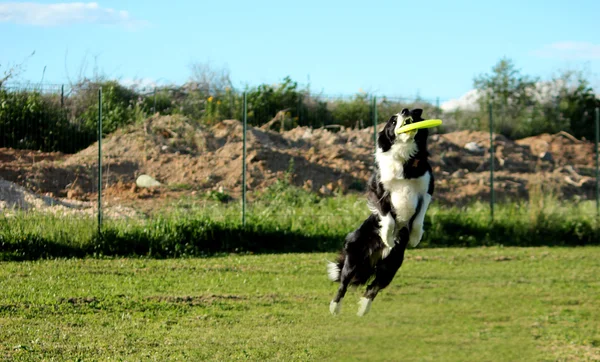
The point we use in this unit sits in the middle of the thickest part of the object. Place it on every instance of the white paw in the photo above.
(335, 308)
(385, 252)
(388, 241)
(415, 237)
(364, 305)
(386, 232)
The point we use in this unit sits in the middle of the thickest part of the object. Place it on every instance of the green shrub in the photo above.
(120, 106)
(31, 120)
(266, 100)
(286, 219)
(162, 103)
(349, 113)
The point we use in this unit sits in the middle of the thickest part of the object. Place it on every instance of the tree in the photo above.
(511, 95)
(266, 100)
(576, 102)
(208, 80)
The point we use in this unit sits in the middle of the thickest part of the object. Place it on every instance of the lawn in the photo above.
(456, 304)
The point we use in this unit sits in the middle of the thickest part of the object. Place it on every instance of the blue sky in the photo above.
(397, 48)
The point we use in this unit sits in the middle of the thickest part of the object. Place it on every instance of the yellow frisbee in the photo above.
(428, 123)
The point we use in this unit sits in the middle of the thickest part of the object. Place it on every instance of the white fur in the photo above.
(335, 308)
(385, 252)
(405, 197)
(333, 271)
(416, 232)
(391, 162)
(364, 305)
(404, 193)
(387, 230)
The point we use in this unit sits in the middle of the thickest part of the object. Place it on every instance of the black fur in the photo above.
(361, 257)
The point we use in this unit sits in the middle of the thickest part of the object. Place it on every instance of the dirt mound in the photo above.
(185, 155)
(564, 148)
(14, 197)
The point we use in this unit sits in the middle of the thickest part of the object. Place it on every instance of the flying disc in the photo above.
(428, 123)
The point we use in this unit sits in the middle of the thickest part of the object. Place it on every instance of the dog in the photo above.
(399, 193)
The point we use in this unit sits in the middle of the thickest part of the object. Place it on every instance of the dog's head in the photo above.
(416, 138)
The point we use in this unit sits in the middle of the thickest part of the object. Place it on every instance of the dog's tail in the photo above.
(334, 269)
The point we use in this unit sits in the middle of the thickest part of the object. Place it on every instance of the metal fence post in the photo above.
(597, 164)
(62, 95)
(374, 123)
(100, 161)
(245, 120)
(492, 195)
(154, 107)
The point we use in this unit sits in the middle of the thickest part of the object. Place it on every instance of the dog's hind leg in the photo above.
(347, 273)
(385, 271)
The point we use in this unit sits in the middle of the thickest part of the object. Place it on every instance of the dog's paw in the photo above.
(415, 237)
(364, 305)
(389, 242)
(335, 308)
(385, 252)
(388, 238)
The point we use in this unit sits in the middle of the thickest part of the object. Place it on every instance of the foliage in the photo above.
(31, 120)
(356, 112)
(120, 106)
(266, 100)
(576, 102)
(510, 94)
(160, 102)
(524, 106)
(287, 219)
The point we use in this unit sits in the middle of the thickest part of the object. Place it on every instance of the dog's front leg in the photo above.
(416, 229)
(387, 229)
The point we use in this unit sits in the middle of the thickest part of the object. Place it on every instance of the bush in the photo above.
(121, 106)
(266, 100)
(357, 111)
(31, 120)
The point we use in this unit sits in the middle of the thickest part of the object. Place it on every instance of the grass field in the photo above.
(287, 219)
(473, 304)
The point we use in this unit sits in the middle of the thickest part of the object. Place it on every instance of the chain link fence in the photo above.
(176, 148)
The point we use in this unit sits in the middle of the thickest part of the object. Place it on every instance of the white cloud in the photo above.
(141, 83)
(467, 101)
(544, 91)
(38, 14)
(570, 50)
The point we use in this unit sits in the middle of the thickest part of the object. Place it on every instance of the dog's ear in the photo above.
(383, 141)
(387, 136)
(416, 113)
(405, 112)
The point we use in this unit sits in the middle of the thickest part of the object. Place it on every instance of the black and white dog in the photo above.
(399, 193)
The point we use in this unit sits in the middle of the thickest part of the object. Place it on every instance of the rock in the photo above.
(458, 174)
(474, 147)
(308, 185)
(146, 181)
(325, 191)
(74, 194)
(546, 156)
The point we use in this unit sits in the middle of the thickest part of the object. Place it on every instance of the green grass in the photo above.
(286, 219)
(458, 304)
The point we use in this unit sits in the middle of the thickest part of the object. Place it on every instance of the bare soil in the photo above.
(188, 158)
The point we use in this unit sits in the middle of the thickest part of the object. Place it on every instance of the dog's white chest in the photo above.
(404, 194)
